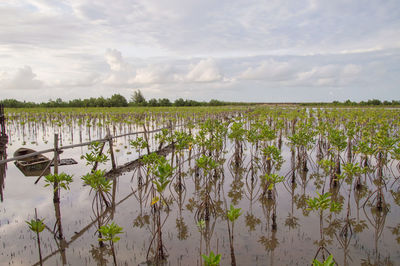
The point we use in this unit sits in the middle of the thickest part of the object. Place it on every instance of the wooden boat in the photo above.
(34, 165)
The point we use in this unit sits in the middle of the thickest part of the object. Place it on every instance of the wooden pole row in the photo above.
(107, 139)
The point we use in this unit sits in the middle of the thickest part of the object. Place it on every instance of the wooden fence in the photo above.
(57, 150)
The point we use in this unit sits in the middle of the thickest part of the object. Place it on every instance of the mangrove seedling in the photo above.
(163, 171)
(37, 226)
(270, 181)
(98, 182)
(95, 155)
(328, 262)
(109, 233)
(319, 204)
(232, 214)
(61, 180)
(212, 259)
(58, 181)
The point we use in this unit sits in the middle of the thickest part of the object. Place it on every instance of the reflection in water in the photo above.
(196, 196)
(100, 254)
(3, 167)
(3, 151)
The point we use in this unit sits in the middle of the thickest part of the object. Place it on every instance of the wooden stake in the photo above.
(111, 149)
(146, 138)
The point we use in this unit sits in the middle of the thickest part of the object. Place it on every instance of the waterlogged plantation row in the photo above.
(231, 186)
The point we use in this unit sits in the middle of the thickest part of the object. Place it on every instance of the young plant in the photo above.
(232, 214)
(95, 155)
(270, 180)
(319, 204)
(162, 170)
(61, 180)
(37, 226)
(328, 262)
(58, 182)
(273, 157)
(109, 233)
(212, 259)
(323, 202)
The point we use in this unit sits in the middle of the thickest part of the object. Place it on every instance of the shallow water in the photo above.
(373, 241)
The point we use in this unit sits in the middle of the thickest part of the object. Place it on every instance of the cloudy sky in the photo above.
(249, 50)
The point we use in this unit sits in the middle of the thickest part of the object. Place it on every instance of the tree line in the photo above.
(116, 100)
(372, 102)
(137, 99)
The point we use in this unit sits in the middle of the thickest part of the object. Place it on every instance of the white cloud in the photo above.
(351, 70)
(115, 61)
(22, 79)
(270, 70)
(204, 71)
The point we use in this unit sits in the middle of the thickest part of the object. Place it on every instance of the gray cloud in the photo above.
(22, 79)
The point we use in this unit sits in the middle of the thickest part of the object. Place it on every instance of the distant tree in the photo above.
(138, 98)
(117, 100)
(101, 102)
(164, 102)
(214, 102)
(374, 102)
(348, 102)
(179, 102)
(152, 102)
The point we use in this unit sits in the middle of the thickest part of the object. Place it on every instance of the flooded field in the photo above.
(258, 186)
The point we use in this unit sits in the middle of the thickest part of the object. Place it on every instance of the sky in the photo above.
(249, 51)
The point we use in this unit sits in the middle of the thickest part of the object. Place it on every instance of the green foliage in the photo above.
(351, 170)
(323, 202)
(97, 181)
(182, 140)
(206, 162)
(201, 225)
(382, 142)
(328, 262)
(337, 138)
(327, 165)
(272, 180)
(303, 137)
(273, 154)
(138, 98)
(163, 171)
(118, 100)
(63, 180)
(212, 259)
(36, 226)
(233, 213)
(267, 133)
(364, 147)
(138, 144)
(94, 155)
(150, 159)
(163, 135)
(110, 232)
(237, 131)
(252, 135)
